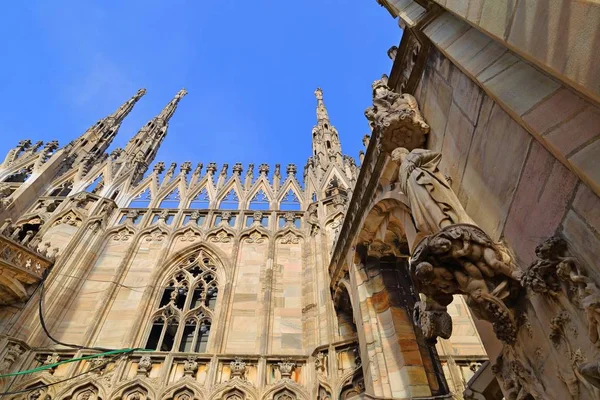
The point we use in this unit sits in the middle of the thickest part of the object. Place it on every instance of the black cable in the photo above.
(43, 323)
(45, 385)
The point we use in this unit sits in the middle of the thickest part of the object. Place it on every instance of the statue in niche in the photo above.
(433, 203)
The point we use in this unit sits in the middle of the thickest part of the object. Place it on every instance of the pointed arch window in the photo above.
(201, 200)
(290, 202)
(230, 201)
(63, 189)
(184, 316)
(142, 200)
(171, 200)
(260, 201)
(96, 186)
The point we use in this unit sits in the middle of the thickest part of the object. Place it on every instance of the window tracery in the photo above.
(184, 316)
(63, 189)
(142, 200)
(260, 201)
(290, 202)
(201, 200)
(171, 200)
(96, 186)
(230, 201)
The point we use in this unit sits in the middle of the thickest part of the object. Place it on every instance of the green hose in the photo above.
(50, 366)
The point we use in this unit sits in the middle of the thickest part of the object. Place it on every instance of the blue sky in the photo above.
(250, 68)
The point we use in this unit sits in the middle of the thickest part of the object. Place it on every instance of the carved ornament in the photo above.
(397, 117)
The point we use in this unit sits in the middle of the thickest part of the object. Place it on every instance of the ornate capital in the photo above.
(238, 368)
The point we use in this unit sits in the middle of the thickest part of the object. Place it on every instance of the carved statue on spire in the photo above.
(321, 110)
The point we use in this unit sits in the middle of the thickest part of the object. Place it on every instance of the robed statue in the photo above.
(433, 203)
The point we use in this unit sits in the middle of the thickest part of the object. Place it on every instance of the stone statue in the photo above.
(462, 259)
(433, 203)
(397, 116)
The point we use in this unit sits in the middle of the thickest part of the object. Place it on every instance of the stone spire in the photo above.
(326, 144)
(142, 148)
(93, 143)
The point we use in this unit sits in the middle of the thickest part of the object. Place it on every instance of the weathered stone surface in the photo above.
(545, 189)
(490, 178)
(557, 109)
(575, 132)
(586, 161)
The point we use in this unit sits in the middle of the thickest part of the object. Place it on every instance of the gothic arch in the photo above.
(129, 390)
(184, 389)
(80, 390)
(46, 392)
(290, 185)
(260, 184)
(186, 301)
(284, 388)
(289, 233)
(255, 233)
(232, 186)
(235, 389)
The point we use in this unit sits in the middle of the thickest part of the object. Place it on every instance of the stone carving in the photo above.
(123, 235)
(238, 368)
(211, 168)
(289, 218)
(221, 237)
(255, 237)
(97, 365)
(433, 203)
(185, 167)
(291, 169)
(144, 366)
(587, 294)
(462, 259)
(155, 236)
(286, 368)
(263, 169)
(519, 383)
(13, 352)
(434, 322)
(69, 219)
(290, 238)
(313, 218)
(320, 365)
(190, 366)
(237, 168)
(189, 236)
(396, 116)
(541, 276)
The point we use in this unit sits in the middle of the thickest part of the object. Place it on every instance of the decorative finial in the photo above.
(319, 93)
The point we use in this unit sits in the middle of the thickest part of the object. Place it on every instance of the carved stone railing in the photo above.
(20, 267)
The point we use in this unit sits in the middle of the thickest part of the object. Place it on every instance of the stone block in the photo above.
(558, 108)
(544, 192)
(466, 94)
(587, 161)
(459, 7)
(467, 46)
(474, 11)
(496, 157)
(575, 132)
(486, 57)
(445, 30)
(569, 42)
(504, 62)
(455, 148)
(587, 205)
(583, 241)
(496, 16)
(521, 87)
(435, 110)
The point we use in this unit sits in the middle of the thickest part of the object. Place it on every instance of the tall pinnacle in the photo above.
(126, 107)
(94, 142)
(170, 108)
(142, 148)
(322, 116)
